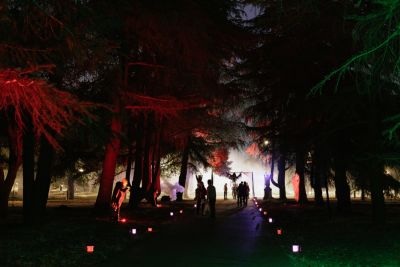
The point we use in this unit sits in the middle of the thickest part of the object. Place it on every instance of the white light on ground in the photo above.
(266, 142)
(171, 214)
(89, 249)
(265, 213)
(195, 205)
(296, 248)
(181, 211)
(133, 231)
(270, 220)
(260, 209)
(81, 170)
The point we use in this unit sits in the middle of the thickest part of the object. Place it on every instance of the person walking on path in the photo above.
(200, 198)
(225, 191)
(246, 193)
(240, 191)
(234, 190)
(211, 197)
(118, 197)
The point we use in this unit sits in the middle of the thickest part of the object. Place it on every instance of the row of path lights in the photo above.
(295, 248)
(133, 231)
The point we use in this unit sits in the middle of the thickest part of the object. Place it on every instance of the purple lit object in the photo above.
(296, 248)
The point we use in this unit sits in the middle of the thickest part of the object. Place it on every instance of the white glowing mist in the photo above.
(241, 162)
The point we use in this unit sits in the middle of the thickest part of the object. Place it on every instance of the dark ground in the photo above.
(238, 237)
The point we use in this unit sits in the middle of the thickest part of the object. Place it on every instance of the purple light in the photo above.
(296, 248)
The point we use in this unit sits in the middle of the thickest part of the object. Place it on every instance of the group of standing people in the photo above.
(204, 197)
(242, 192)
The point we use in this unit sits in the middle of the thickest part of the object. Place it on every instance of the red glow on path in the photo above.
(89, 249)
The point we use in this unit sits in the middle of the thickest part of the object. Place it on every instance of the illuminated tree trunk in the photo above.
(184, 164)
(281, 175)
(300, 161)
(110, 161)
(28, 161)
(341, 185)
(14, 162)
(43, 176)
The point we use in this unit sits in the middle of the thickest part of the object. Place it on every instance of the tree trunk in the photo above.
(43, 176)
(71, 187)
(377, 197)
(267, 189)
(281, 175)
(146, 182)
(317, 173)
(135, 195)
(110, 161)
(14, 162)
(300, 161)
(341, 185)
(184, 164)
(28, 161)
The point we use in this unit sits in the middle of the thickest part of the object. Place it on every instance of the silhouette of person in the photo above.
(118, 197)
(225, 191)
(246, 193)
(240, 194)
(211, 197)
(234, 190)
(200, 197)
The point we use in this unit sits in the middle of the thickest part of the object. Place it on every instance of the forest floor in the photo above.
(237, 237)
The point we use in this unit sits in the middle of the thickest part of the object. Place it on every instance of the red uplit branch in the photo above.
(49, 109)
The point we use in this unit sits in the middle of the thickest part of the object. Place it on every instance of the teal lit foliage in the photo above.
(376, 68)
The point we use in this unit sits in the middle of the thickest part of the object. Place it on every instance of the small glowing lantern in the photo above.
(260, 209)
(265, 213)
(195, 205)
(181, 211)
(89, 249)
(171, 214)
(149, 229)
(159, 206)
(270, 220)
(296, 248)
(279, 231)
(133, 231)
(123, 220)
